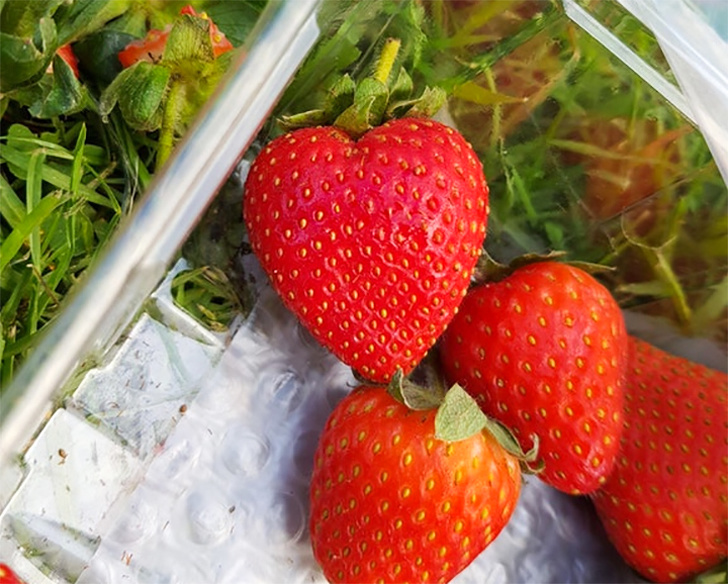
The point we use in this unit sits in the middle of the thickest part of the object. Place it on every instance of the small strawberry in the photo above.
(371, 243)
(392, 502)
(543, 351)
(7, 576)
(66, 53)
(665, 506)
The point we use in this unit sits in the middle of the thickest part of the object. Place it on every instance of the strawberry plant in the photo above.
(665, 506)
(168, 75)
(403, 495)
(543, 350)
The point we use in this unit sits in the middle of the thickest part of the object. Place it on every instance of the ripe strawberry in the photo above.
(665, 506)
(151, 47)
(390, 502)
(371, 243)
(7, 576)
(543, 351)
(66, 53)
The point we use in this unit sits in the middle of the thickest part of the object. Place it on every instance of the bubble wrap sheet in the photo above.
(226, 498)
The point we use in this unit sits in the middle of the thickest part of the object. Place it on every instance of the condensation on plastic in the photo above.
(696, 53)
(145, 246)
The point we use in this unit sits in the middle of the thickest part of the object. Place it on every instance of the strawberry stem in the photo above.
(386, 59)
(172, 105)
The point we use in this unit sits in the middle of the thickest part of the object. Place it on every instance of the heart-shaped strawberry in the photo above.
(371, 243)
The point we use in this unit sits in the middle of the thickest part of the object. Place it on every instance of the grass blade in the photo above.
(33, 195)
(11, 207)
(31, 221)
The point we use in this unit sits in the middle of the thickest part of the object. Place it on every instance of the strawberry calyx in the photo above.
(416, 396)
(459, 417)
(356, 108)
(488, 269)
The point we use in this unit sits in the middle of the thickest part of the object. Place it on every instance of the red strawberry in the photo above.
(151, 47)
(66, 53)
(544, 351)
(390, 502)
(371, 243)
(665, 506)
(7, 576)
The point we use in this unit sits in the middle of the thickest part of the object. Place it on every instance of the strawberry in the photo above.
(151, 47)
(665, 506)
(391, 502)
(371, 243)
(543, 351)
(626, 163)
(66, 53)
(7, 576)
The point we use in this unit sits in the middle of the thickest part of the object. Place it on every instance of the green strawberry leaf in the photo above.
(21, 18)
(413, 395)
(459, 416)
(139, 92)
(62, 94)
(81, 17)
(488, 269)
(23, 59)
(370, 102)
(339, 98)
(318, 117)
(355, 119)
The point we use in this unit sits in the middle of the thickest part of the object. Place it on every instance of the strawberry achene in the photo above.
(665, 505)
(371, 243)
(544, 352)
(392, 503)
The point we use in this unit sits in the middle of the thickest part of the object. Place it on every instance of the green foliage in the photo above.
(59, 205)
(75, 152)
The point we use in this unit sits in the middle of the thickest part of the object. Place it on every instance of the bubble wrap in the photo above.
(226, 498)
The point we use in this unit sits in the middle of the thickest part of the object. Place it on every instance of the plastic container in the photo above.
(139, 445)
